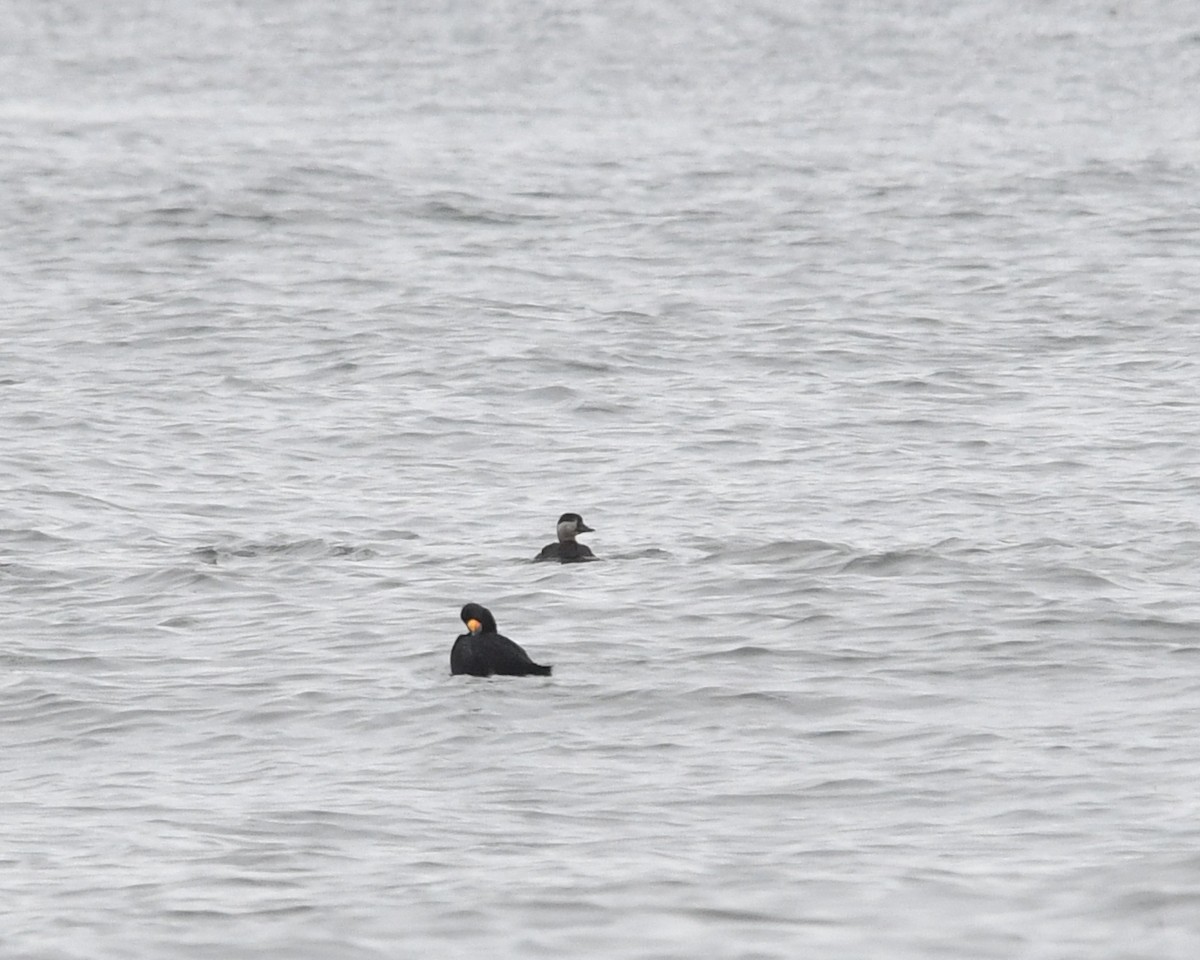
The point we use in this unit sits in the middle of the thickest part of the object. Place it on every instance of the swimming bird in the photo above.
(566, 550)
(482, 652)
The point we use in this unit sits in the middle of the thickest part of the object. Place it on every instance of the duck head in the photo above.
(571, 525)
(478, 619)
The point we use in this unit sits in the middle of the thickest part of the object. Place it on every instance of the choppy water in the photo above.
(866, 337)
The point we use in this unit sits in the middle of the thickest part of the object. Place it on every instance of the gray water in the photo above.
(866, 337)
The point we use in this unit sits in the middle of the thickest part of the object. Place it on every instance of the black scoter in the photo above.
(482, 652)
(567, 550)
